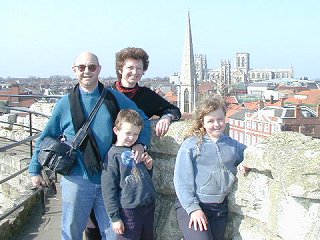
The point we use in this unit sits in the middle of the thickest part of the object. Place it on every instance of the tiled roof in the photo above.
(205, 87)
(312, 97)
(231, 100)
(239, 115)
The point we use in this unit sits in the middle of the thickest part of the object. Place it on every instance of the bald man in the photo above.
(81, 189)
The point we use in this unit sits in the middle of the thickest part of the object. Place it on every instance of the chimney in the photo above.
(272, 99)
(302, 129)
(298, 112)
(260, 104)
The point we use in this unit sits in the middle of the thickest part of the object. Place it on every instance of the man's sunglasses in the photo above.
(91, 67)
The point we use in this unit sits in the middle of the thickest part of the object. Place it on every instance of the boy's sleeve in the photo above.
(110, 180)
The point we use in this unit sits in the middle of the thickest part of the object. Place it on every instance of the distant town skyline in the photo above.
(42, 38)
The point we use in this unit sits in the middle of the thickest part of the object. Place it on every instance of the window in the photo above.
(241, 138)
(186, 101)
(258, 75)
(254, 125)
(231, 133)
(236, 135)
(308, 129)
(254, 140)
(274, 128)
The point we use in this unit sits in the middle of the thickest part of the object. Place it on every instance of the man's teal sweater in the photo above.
(101, 126)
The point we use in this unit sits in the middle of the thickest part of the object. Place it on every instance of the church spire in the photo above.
(187, 95)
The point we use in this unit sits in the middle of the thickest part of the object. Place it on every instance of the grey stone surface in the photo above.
(277, 200)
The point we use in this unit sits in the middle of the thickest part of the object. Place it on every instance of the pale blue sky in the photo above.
(42, 37)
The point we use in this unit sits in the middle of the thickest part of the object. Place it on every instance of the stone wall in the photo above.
(17, 189)
(278, 199)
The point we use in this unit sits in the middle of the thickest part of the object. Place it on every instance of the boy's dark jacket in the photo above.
(125, 185)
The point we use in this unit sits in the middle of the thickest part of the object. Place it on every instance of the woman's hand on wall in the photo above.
(163, 125)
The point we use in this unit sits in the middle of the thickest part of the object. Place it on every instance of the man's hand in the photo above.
(37, 181)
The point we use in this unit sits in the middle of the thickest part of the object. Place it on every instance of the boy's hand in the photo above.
(147, 160)
(118, 227)
(138, 151)
(243, 169)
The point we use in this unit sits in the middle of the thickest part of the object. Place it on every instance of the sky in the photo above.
(41, 38)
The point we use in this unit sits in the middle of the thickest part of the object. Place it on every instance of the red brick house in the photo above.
(16, 101)
(250, 127)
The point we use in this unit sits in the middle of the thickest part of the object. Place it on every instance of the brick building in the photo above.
(17, 97)
(250, 127)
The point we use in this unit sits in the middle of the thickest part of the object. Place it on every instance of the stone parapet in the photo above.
(278, 199)
(164, 153)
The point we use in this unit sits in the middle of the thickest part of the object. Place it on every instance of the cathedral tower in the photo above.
(243, 66)
(188, 85)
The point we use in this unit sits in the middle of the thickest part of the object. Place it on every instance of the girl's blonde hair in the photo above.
(205, 106)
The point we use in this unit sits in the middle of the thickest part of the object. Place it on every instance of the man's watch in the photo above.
(171, 116)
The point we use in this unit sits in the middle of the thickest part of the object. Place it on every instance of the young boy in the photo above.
(127, 187)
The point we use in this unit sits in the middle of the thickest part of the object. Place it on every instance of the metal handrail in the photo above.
(14, 174)
(27, 111)
(19, 125)
(17, 143)
(31, 95)
(12, 145)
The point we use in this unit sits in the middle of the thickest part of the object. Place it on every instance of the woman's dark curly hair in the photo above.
(133, 53)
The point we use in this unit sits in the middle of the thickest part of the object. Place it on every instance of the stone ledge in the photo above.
(11, 225)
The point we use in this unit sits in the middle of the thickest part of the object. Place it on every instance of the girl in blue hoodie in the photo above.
(204, 174)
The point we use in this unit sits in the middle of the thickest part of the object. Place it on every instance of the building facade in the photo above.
(250, 127)
(242, 72)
